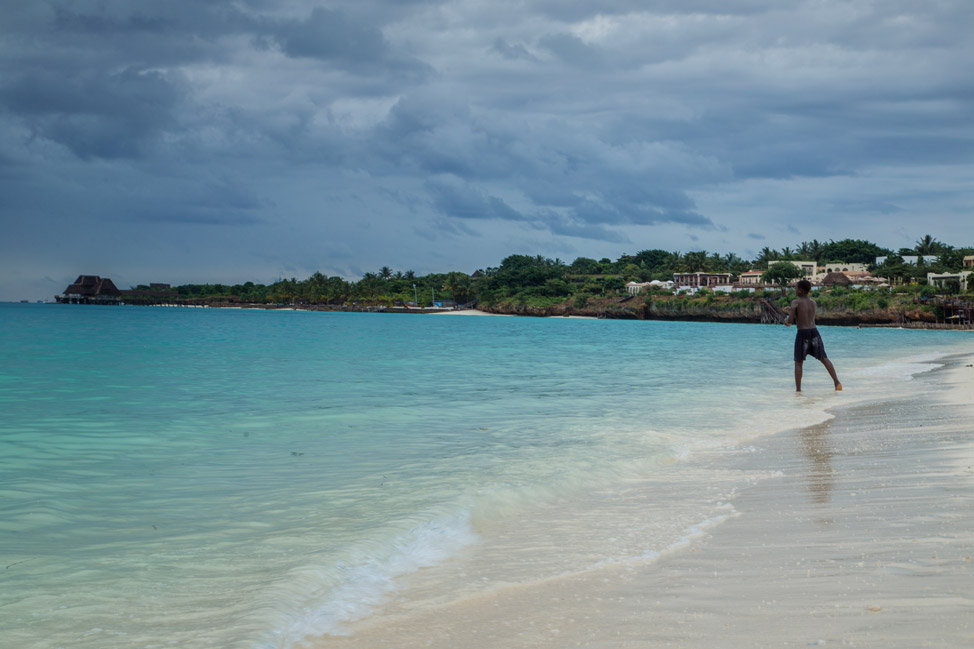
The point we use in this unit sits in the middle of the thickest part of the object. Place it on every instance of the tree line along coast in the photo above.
(866, 285)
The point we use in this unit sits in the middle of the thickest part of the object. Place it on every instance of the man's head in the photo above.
(804, 287)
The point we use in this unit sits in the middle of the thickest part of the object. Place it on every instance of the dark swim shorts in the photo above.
(809, 342)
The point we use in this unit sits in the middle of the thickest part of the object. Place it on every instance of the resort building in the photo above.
(855, 272)
(839, 267)
(845, 267)
(910, 259)
(969, 261)
(698, 280)
(750, 278)
(808, 268)
(635, 288)
(940, 280)
(90, 289)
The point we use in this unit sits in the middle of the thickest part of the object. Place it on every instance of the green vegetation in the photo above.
(781, 273)
(537, 283)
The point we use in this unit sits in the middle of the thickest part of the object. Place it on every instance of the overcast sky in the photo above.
(224, 141)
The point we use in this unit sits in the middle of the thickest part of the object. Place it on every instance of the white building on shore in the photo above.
(963, 278)
(853, 271)
(910, 259)
(750, 278)
(808, 268)
(635, 288)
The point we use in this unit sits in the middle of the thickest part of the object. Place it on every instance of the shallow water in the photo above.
(230, 478)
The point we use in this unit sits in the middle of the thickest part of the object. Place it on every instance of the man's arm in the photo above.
(792, 313)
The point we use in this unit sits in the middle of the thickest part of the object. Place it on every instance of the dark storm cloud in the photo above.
(373, 127)
(330, 35)
(512, 51)
(135, 24)
(218, 202)
(333, 36)
(565, 225)
(94, 114)
(574, 10)
(141, 32)
(465, 202)
(572, 50)
(866, 206)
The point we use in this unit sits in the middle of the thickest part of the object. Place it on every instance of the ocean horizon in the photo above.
(254, 479)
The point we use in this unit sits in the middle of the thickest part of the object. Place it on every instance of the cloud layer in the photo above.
(227, 141)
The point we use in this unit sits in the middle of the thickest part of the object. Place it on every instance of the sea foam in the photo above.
(305, 608)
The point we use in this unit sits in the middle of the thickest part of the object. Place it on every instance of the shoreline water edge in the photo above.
(873, 318)
(856, 530)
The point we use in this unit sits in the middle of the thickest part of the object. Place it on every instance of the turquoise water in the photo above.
(236, 478)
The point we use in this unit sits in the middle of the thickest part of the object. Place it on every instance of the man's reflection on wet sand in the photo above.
(820, 477)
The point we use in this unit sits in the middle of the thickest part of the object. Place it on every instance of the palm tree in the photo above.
(731, 261)
(928, 246)
(385, 272)
(816, 250)
(786, 253)
(767, 255)
(410, 275)
(696, 261)
(674, 261)
(458, 284)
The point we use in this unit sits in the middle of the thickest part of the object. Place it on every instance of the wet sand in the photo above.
(865, 539)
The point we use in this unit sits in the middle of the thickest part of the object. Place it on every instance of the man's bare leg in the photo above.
(828, 365)
(798, 376)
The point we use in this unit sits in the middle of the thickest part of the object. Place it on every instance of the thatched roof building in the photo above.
(91, 289)
(836, 278)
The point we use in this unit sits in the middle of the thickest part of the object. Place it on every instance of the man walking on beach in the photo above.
(807, 341)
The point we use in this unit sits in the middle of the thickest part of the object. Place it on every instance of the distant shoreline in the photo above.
(888, 320)
(871, 319)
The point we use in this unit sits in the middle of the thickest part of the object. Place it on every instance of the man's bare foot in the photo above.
(838, 387)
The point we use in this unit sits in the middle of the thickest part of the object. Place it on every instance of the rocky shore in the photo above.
(637, 308)
(749, 312)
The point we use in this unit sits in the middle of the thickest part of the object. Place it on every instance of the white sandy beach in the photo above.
(864, 537)
(502, 315)
(469, 312)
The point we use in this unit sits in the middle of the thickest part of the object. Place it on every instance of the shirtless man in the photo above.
(807, 341)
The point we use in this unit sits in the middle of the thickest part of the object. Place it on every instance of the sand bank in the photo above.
(864, 538)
